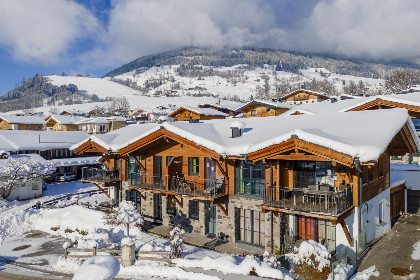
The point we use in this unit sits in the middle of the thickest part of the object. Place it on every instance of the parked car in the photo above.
(63, 177)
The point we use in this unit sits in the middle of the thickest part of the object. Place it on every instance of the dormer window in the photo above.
(236, 132)
(236, 128)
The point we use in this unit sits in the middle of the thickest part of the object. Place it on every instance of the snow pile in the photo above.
(127, 213)
(341, 272)
(14, 223)
(238, 125)
(312, 253)
(366, 274)
(416, 251)
(98, 268)
(230, 264)
(127, 242)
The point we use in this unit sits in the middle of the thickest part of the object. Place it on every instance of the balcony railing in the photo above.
(329, 202)
(99, 175)
(191, 187)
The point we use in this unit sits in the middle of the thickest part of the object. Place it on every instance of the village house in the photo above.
(89, 125)
(262, 108)
(302, 96)
(51, 145)
(224, 106)
(266, 182)
(23, 189)
(8, 122)
(184, 113)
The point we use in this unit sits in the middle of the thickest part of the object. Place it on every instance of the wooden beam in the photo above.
(139, 163)
(178, 202)
(102, 190)
(138, 192)
(307, 214)
(223, 209)
(220, 167)
(346, 231)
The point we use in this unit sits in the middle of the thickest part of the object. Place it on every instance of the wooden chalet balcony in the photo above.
(305, 200)
(99, 176)
(191, 188)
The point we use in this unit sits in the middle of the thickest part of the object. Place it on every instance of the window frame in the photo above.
(192, 166)
(194, 209)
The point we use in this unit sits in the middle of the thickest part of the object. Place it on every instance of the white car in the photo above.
(63, 177)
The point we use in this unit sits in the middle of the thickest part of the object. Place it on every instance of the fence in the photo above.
(188, 187)
(100, 175)
(309, 200)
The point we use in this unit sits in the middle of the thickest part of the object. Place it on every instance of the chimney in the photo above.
(237, 128)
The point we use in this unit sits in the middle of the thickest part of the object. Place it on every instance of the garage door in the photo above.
(413, 202)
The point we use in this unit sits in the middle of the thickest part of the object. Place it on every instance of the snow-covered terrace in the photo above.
(24, 140)
(58, 162)
(364, 134)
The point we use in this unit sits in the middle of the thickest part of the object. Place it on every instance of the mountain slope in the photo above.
(257, 57)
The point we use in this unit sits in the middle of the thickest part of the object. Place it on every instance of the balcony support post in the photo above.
(102, 190)
(223, 209)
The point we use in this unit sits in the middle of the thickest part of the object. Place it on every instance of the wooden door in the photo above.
(211, 219)
(397, 203)
(157, 169)
(210, 172)
(157, 208)
(307, 228)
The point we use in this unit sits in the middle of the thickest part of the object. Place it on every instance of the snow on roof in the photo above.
(22, 119)
(75, 161)
(21, 158)
(99, 120)
(238, 124)
(364, 134)
(308, 91)
(116, 118)
(66, 119)
(202, 111)
(20, 140)
(269, 103)
(225, 104)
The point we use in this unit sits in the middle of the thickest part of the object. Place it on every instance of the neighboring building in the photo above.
(408, 174)
(62, 122)
(302, 96)
(75, 165)
(264, 181)
(224, 106)
(263, 108)
(8, 122)
(90, 125)
(184, 113)
(23, 189)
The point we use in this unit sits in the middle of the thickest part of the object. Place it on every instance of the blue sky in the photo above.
(96, 36)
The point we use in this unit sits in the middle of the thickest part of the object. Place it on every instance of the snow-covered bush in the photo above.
(272, 261)
(311, 261)
(176, 241)
(126, 213)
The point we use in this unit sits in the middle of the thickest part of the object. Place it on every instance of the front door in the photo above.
(397, 204)
(210, 172)
(157, 169)
(157, 208)
(211, 219)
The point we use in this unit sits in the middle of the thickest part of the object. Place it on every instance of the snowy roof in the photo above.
(19, 140)
(201, 111)
(307, 91)
(116, 118)
(269, 103)
(27, 160)
(22, 119)
(364, 134)
(225, 104)
(66, 119)
(75, 161)
(99, 120)
(345, 105)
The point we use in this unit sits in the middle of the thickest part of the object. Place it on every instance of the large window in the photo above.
(171, 206)
(194, 166)
(322, 231)
(133, 169)
(250, 178)
(314, 174)
(416, 123)
(194, 209)
(250, 226)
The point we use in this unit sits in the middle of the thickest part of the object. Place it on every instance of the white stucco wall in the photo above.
(411, 178)
(25, 191)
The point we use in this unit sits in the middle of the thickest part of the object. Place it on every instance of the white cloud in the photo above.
(140, 27)
(373, 29)
(43, 30)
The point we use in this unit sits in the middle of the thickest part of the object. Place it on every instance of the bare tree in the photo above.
(119, 106)
(401, 79)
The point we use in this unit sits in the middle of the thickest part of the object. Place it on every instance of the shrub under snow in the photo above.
(311, 260)
(126, 213)
(176, 241)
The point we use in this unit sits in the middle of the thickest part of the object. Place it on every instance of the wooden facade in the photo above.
(52, 124)
(304, 96)
(4, 125)
(162, 158)
(259, 110)
(185, 114)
